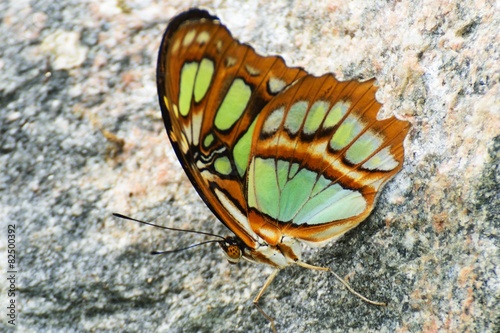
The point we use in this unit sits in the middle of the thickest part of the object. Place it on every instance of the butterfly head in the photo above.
(232, 248)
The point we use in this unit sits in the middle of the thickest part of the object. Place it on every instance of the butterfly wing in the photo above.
(211, 89)
(319, 157)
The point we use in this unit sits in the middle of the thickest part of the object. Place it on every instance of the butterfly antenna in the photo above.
(185, 248)
(168, 228)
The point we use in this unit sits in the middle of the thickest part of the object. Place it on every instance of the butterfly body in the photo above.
(281, 157)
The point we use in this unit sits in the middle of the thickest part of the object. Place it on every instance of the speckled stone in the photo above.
(83, 138)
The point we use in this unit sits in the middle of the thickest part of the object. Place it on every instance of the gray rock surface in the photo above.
(82, 137)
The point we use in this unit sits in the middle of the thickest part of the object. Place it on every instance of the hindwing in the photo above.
(319, 157)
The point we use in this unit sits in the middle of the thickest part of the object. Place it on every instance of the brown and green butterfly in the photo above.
(280, 156)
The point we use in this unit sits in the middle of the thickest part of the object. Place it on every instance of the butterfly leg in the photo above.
(271, 320)
(256, 299)
(316, 268)
(303, 264)
(266, 284)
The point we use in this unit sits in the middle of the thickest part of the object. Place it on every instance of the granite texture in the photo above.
(82, 137)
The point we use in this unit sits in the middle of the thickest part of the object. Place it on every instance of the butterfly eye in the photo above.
(231, 250)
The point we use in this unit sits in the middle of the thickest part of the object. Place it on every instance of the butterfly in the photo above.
(281, 157)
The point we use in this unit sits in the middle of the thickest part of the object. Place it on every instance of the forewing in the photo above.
(211, 89)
